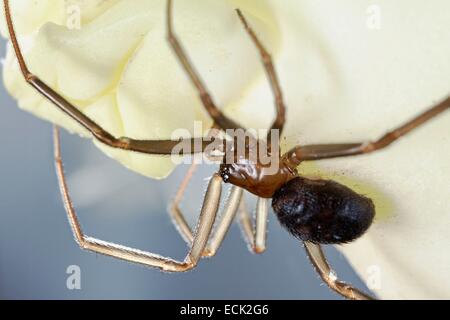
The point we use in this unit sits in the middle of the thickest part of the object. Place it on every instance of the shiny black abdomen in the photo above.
(322, 211)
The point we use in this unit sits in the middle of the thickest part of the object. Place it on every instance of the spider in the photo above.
(315, 211)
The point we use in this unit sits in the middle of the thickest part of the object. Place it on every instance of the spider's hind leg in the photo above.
(320, 263)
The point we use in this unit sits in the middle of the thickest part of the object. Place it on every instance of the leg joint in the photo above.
(259, 250)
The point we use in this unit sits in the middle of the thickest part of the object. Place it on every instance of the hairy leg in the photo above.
(320, 263)
(255, 236)
(199, 239)
(223, 225)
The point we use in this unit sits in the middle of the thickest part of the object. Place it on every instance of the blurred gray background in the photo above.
(37, 247)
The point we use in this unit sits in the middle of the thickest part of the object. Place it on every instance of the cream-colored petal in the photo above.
(155, 97)
(87, 10)
(31, 15)
(120, 60)
(345, 82)
(40, 61)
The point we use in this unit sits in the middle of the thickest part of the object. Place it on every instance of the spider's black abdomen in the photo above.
(322, 211)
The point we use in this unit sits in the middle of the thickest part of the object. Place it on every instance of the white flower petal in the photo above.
(122, 57)
(342, 80)
(347, 83)
(31, 15)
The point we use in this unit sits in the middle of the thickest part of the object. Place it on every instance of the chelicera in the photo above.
(314, 211)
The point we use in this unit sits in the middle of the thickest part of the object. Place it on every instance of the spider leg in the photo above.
(262, 210)
(159, 147)
(254, 236)
(280, 119)
(219, 118)
(224, 224)
(327, 151)
(199, 242)
(175, 212)
(178, 217)
(246, 225)
(320, 263)
(217, 236)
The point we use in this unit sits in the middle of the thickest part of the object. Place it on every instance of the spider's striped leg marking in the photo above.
(327, 151)
(255, 236)
(199, 242)
(320, 263)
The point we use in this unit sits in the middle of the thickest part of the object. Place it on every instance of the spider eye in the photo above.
(322, 211)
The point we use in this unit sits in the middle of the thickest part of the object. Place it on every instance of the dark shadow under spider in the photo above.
(315, 211)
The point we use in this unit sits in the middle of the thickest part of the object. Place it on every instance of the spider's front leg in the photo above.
(157, 147)
(199, 240)
(220, 119)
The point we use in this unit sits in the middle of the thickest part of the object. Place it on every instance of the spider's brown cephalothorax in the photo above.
(322, 211)
(255, 178)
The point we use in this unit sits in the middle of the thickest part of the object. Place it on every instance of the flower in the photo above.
(350, 71)
(119, 69)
